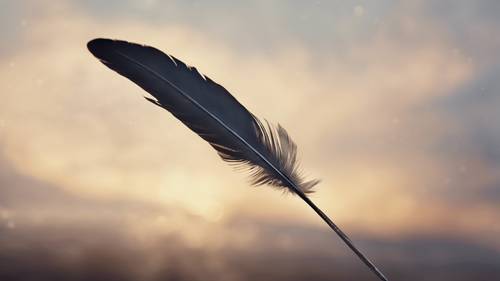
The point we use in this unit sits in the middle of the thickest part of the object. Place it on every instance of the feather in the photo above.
(209, 110)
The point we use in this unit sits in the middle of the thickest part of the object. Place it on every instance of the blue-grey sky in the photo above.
(394, 105)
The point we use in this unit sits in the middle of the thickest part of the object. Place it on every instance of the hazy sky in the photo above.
(393, 105)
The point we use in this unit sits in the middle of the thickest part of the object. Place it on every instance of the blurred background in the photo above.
(394, 105)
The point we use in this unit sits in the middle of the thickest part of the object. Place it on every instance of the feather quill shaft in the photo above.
(215, 115)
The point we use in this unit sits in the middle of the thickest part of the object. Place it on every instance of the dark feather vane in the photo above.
(210, 111)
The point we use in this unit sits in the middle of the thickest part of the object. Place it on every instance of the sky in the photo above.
(393, 105)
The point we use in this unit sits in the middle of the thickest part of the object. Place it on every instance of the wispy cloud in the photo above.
(392, 105)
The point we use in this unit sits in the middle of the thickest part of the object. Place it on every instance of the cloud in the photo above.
(393, 109)
(90, 134)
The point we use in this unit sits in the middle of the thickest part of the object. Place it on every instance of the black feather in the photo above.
(215, 115)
